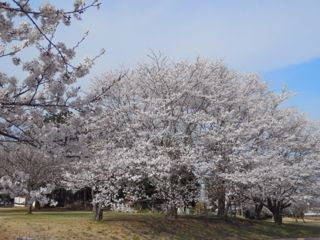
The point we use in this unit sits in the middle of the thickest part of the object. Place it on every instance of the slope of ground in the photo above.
(64, 225)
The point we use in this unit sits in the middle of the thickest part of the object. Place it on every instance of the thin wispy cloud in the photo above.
(267, 37)
(248, 35)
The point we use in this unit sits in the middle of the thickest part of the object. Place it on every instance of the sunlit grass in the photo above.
(79, 225)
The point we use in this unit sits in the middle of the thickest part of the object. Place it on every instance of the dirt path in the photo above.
(298, 239)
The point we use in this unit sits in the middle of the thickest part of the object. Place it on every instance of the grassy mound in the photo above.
(80, 226)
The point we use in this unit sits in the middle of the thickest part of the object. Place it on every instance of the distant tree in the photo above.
(30, 173)
(285, 167)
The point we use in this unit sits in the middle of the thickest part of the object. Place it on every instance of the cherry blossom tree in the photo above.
(36, 104)
(30, 173)
(136, 129)
(107, 165)
(46, 85)
(165, 122)
(269, 142)
(167, 119)
(286, 169)
(164, 115)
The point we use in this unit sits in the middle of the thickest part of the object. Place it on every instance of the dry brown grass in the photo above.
(79, 226)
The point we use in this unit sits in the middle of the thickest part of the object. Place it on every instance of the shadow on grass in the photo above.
(296, 230)
(185, 227)
(196, 227)
(157, 226)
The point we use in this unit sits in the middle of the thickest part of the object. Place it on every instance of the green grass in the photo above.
(79, 225)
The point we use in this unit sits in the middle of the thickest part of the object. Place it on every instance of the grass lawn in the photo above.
(79, 225)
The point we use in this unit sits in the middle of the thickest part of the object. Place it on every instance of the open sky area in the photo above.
(279, 40)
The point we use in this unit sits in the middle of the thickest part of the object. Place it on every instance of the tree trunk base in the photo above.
(98, 212)
(277, 218)
(30, 209)
(172, 214)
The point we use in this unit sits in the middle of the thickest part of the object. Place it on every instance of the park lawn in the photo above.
(79, 225)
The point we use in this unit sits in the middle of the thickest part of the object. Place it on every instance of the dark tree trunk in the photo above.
(37, 205)
(277, 217)
(85, 199)
(28, 204)
(276, 207)
(258, 210)
(98, 212)
(221, 202)
(30, 209)
(225, 214)
(172, 213)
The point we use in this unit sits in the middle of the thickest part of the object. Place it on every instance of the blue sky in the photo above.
(304, 80)
(277, 39)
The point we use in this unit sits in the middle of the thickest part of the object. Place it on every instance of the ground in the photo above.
(55, 225)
